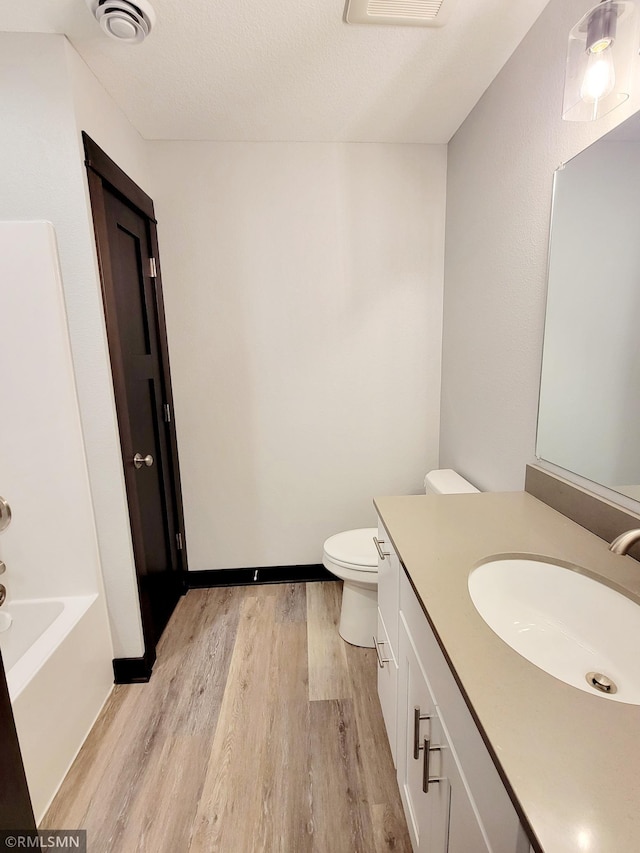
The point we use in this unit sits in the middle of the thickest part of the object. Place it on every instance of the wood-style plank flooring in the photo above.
(259, 732)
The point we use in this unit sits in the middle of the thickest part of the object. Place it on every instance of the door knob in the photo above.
(5, 514)
(139, 460)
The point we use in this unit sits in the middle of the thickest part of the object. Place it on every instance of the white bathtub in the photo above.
(57, 657)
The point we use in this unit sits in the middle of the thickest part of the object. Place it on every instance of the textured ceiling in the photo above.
(290, 69)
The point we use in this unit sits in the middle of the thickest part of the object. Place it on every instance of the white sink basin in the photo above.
(569, 625)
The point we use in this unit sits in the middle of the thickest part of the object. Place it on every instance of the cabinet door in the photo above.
(387, 683)
(500, 823)
(426, 812)
(465, 832)
(435, 779)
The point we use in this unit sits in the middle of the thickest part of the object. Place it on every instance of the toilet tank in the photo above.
(447, 482)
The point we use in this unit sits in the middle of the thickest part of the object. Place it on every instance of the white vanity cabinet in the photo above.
(386, 639)
(459, 805)
(440, 813)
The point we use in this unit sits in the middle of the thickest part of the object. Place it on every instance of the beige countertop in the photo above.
(570, 761)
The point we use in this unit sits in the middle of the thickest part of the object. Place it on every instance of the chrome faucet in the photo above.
(622, 543)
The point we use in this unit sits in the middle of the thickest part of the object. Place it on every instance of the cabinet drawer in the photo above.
(497, 814)
(387, 684)
(389, 587)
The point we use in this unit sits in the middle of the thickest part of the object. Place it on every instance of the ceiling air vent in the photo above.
(123, 20)
(405, 13)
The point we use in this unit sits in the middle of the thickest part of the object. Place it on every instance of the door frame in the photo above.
(101, 171)
(16, 811)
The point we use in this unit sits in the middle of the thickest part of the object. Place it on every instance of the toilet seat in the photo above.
(353, 550)
(353, 558)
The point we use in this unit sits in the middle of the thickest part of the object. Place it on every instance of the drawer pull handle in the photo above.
(426, 777)
(378, 545)
(381, 660)
(417, 716)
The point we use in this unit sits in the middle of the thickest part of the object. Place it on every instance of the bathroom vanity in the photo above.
(492, 753)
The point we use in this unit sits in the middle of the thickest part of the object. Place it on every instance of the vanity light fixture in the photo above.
(601, 56)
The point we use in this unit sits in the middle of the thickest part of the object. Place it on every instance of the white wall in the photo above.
(42, 84)
(303, 287)
(98, 115)
(501, 164)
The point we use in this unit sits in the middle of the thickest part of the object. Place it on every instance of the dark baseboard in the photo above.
(259, 575)
(134, 670)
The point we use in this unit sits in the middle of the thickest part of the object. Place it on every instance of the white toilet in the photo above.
(352, 557)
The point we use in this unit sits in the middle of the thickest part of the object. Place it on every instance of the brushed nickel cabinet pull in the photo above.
(378, 545)
(417, 716)
(381, 660)
(426, 776)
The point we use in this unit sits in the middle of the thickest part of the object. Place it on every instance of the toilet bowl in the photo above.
(352, 557)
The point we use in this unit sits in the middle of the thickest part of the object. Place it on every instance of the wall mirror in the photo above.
(589, 410)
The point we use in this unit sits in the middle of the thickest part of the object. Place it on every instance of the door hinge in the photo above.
(167, 413)
(179, 541)
(153, 269)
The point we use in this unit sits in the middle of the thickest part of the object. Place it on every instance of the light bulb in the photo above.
(600, 77)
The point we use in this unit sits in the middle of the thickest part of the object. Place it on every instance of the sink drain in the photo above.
(601, 682)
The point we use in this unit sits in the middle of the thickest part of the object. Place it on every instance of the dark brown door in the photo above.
(15, 803)
(128, 253)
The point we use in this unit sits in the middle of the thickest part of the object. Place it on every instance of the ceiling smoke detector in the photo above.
(127, 22)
